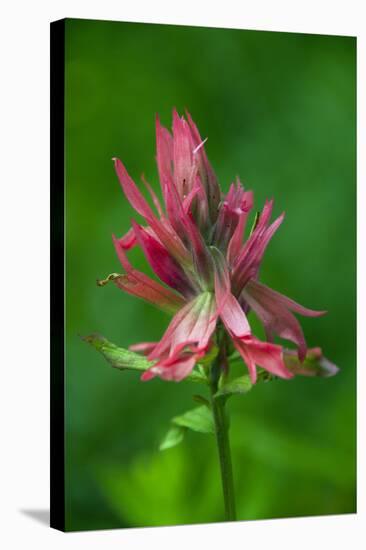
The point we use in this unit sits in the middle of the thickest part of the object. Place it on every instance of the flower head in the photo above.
(195, 245)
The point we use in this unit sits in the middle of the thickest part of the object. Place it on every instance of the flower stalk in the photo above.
(221, 422)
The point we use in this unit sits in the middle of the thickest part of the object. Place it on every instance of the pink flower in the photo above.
(195, 245)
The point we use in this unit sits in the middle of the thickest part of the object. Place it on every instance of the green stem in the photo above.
(223, 445)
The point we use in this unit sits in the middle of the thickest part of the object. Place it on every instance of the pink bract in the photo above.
(194, 243)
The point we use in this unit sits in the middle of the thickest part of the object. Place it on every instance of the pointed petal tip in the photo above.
(331, 368)
(305, 312)
(253, 376)
(135, 225)
(147, 375)
(287, 374)
(320, 313)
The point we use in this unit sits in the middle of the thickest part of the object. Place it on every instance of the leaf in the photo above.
(124, 359)
(173, 437)
(315, 364)
(199, 419)
(119, 358)
(236, 386)
(197, 376)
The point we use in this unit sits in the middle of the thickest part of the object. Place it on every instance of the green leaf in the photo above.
(199, 419)
(119, 358)
(124, 359)
(235, 356)
(173, 437)
(197, 376)
(236, 386)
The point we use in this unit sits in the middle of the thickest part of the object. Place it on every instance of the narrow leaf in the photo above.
(124, 359)
(119, 358)
(199, 419)
(173, 437)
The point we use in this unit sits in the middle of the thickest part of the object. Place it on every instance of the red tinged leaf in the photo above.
(194, 243)
(228, 306)
(274, 310)
(138, 284)
(164, 154)
(207, 175)
(233, 212)
(153, 196)
(132, 192)
(162, 263)
(263, 354)
(184, 168)
(193, 323)
(314, 364)
(236, 241)
(272, 295)
(169, 369)
(128, 240)
(247, 264)
(143, 347)
(161, 228)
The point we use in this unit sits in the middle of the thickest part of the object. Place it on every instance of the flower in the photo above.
(195, 245)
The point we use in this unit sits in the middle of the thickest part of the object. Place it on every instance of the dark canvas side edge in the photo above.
(57, 193)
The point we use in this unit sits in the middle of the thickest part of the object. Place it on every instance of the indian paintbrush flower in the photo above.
(207, 267)
(209, 273)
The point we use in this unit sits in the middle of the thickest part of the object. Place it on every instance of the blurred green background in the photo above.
(279, 111)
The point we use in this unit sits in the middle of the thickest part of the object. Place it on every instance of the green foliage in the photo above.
(119, 358)
(239, 385)
(172, 438)
(160, 488)
(199, 420)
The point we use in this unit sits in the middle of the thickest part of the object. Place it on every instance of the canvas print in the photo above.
(207, 184)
